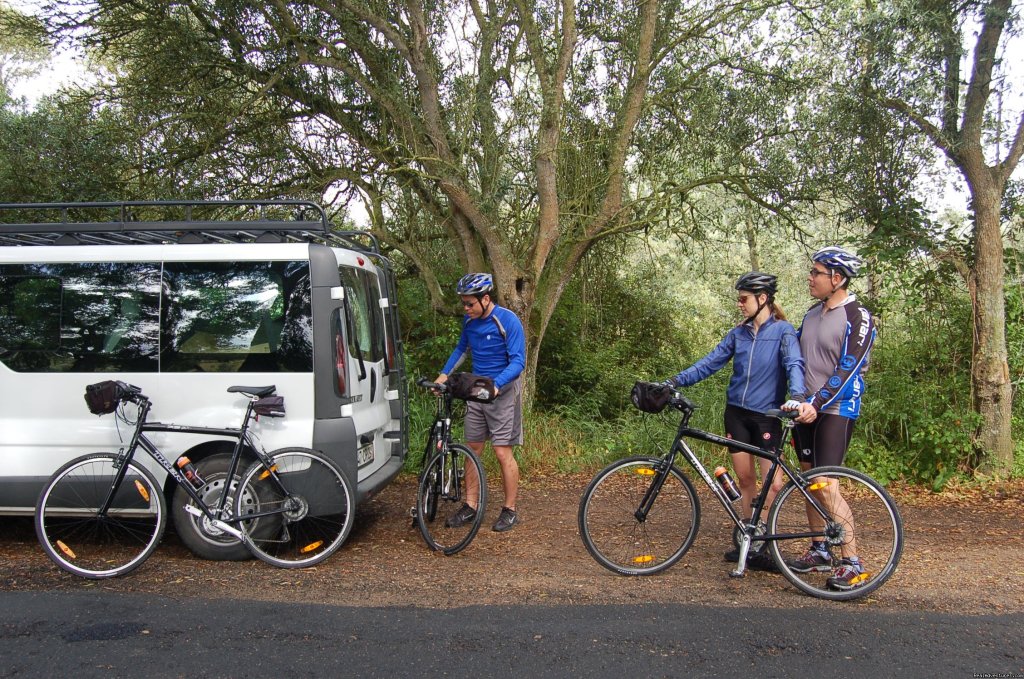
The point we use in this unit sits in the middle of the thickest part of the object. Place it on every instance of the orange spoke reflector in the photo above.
(67, 550)
(818, 486)
(311, 547)
(860, 578)
(142, 490)
(645, 471)
(645, 558)
(265, 474)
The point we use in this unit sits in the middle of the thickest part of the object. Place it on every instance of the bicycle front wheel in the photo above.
(298, 512)
(451, 480)
(82, 540)
(612, 531)
(862, 520)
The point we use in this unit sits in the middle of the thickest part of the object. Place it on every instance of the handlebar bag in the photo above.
(103, 397)
(650, 397)
(470, 387)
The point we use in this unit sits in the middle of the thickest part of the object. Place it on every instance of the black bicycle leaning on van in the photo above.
(102, 515)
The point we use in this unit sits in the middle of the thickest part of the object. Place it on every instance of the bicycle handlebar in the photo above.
(427, 384)
(684, 403)
(782, 414)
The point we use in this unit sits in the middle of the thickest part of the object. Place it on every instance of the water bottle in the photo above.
(189, 471)
(732, 491)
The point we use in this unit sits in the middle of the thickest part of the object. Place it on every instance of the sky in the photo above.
(68, 67)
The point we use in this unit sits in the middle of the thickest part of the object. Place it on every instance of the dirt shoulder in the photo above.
(963, 554)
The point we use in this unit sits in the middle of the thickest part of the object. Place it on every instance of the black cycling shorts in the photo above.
(748, 426)
(824, 441)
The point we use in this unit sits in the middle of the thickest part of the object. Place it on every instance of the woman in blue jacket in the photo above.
(765, 353)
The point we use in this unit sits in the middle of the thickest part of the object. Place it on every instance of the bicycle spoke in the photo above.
(451, 481)
(621, 542)
(79, 539)
(862, 521)
(302, 513)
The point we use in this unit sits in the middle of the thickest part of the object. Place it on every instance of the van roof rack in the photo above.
(175, 221)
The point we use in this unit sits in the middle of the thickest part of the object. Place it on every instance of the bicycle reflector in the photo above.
(818, 486)
(312, 546)
(142, 490)
(643, 558)
(645, 471)
(67, 550)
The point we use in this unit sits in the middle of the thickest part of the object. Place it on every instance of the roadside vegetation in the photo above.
(616, 165)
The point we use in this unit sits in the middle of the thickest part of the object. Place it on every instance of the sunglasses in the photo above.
(469, 304)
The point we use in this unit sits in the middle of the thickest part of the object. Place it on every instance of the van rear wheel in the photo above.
(199, 536)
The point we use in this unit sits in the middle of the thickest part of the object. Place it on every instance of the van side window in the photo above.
(82, 317)
(363, 296)
(236, 317)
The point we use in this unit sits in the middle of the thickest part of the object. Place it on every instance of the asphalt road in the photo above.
(101, 634)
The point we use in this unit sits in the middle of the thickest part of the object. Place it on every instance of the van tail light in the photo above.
(391, 351)
(339, 362)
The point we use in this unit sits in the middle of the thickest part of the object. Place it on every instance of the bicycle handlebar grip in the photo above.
(427, 384)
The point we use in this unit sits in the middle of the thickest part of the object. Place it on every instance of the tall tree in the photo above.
(504, 134)
(914, 53)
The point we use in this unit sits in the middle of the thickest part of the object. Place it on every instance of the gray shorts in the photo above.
(500, 421)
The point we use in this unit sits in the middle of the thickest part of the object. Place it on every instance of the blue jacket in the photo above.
(760, 365)
(496, 343)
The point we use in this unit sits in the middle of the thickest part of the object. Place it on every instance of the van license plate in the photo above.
(365, 455)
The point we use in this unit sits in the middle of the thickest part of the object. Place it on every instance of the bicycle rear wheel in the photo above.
(614, 535)
(441, 494)
(875, 532)
(298, 515)
(82, 541)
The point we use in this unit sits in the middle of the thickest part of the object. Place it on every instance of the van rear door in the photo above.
(364, 338)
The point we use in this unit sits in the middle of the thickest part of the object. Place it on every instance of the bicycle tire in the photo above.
(616, 538)
(877, 530)
(426, 502)
(312, 507)
(81, 541)
(448, 494)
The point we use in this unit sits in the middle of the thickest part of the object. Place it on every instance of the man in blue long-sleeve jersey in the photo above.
(494, 339)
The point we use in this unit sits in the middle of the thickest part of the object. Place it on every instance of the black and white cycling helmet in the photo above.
(837, 259)
(475, 284)
(757, 282)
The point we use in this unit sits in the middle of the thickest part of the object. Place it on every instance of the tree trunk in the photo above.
(990, 373)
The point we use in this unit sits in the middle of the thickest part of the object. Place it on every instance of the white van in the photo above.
(186, 299)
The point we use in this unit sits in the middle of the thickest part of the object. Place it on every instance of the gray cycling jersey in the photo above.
(836, 345)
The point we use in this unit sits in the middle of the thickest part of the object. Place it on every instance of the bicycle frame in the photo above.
(441, 437)
(748, 529)
(241, 436)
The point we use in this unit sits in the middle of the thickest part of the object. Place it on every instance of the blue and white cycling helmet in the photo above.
(475, 284)
(837, 259)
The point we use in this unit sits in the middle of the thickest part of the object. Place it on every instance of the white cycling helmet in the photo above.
(837, 259)
(475, 284)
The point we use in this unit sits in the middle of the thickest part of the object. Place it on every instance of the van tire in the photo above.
(213, 470)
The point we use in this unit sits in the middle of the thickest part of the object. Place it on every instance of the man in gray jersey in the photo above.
(836, 336)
